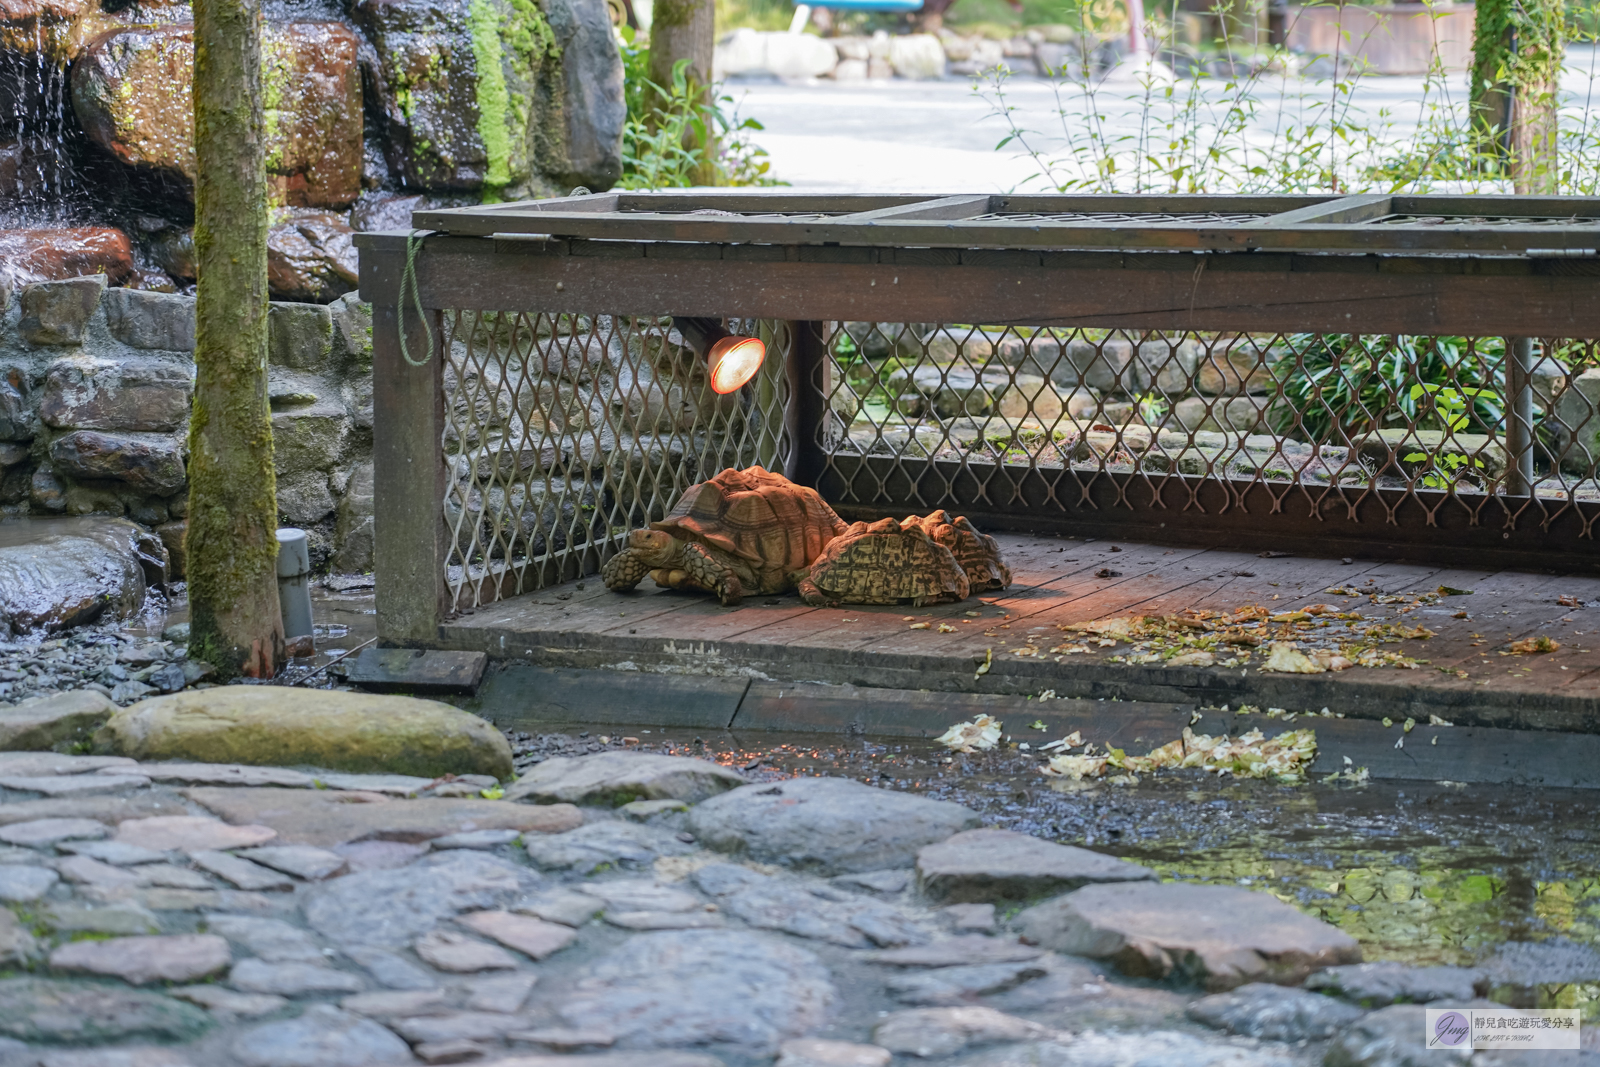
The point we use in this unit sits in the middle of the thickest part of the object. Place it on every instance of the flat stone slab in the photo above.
(74, 785)
(612, 779)
(563, 906)
(105, 809)
(392, 908)
(446, 950)
(1274, 1013)
(482, 840)
(323, 1037)
(17, 944)
(1375, 984)
(825, 825)
(49, 1011)
(696, 987)
(43, 723)
(503, 993)
(291, 979)
(818, 912)
(30, 764)
(303, 861)
(242, 873)
(987, 864)
(1151, 1047)
(530, 936)
(1392, 1037)
(951, 986)
(225, 774)
(219, 999)
(1218, 936)
(318, 817)
(281, 726)
(190, 833)
(20, 883)
(430, 672)
(41, 833)
(604, 844)
(927, 1032)
(970, 950)
(819, 1052)
(272, 940)
(116, 853)
(141, 960)
(122, 919)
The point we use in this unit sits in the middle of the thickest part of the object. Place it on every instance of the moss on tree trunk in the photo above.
(235, 621)
(1518, 47)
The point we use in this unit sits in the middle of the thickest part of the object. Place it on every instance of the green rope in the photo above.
(408, 287)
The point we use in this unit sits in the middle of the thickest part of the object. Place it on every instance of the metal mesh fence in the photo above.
(564, 432)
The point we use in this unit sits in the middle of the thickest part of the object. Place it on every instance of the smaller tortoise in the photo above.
(978, 553)
(739, 532)
(885, 562)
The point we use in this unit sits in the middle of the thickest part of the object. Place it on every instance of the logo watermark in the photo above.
(1507, 1028)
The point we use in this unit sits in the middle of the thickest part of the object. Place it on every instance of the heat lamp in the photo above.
(731, 360)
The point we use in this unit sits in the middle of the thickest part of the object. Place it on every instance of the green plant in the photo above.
(668, 125)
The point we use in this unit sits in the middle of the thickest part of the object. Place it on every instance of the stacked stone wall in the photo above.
(96, 386)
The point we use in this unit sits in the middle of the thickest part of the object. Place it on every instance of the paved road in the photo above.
(941, 136)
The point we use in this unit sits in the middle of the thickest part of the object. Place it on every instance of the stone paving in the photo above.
(633, 910)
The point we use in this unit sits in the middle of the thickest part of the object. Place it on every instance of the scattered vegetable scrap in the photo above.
(921, 625)
(946, 628)
(1252, 755)
(1533, 646)
(979, 735)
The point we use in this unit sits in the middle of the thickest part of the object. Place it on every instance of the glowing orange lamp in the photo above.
(731, 360)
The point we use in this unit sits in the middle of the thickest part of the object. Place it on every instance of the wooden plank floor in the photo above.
(1061, 582)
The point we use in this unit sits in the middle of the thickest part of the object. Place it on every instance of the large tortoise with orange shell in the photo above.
(740, 532)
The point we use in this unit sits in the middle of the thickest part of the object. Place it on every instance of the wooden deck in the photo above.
(1466, 678)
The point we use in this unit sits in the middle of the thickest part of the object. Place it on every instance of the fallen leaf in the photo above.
(1533, 646)
(1285, 658)
(1193, 659)
(1445, 590)
(979, 735)
(1567, 600)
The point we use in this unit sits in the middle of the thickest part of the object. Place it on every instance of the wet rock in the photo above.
(978, 918)
(446, 950)
(225, 774)
(58, 721)
(49, 1011)
(272, 940)
(392, 908)
(85, 871)
(927, 1032)
(348, 731)
(435, 135)
(664, 920)
(1557, 961)
(399, 1005)
(638, 894)
(817, 1052)
(227, 1002)
(70, 785)
(141, 960)
(1274, 1013)
(1390, 1037)
(323, 1037)
(45, 255)
(190, 833)
(971, 950)
(172, 877)
(37, 764)
(16, 422)
(113, 852)
(86, 393)
(123, 919)
(147, 463)
(131, 90)
(300, 337)
(319, 817)
(611, 779)
(173, 252)
(17, 945)
(987, 864)
(291, 979)
(958, 985)
(101, 809)
(310, 256)
(20, 883)
(1376, 984)
(700, 987)
(825, 825)
(302, 861)
(561, 906)
(118, 1057)
(56, 313)
(389, 970)
(41, 833)
(1218, 936)
(615, 844)
(883, 883)
(242, 873)
(592, 112)
(456, 1026)
(531, 937)
(159, 321)
(1127, 1049)
(480, 840)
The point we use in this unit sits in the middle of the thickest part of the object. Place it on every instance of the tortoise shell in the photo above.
(886, 562)
(757, 516)
(978, 553)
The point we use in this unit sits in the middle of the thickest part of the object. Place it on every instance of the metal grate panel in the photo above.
(1116, 218)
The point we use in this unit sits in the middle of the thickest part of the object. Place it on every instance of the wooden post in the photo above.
(410, 538)
(686, 29)
(1519, 416)
(806, 417)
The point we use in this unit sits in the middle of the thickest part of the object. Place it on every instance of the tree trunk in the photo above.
(235, 621)
(686, 29)
(1517, 52)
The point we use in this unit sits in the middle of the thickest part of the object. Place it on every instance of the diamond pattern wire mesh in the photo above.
(565, 432)
(1487, 221)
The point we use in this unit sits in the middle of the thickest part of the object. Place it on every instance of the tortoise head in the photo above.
(655, 545)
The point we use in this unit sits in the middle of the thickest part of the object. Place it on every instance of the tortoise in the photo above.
(884, 562)
(978, 553)
(743, 531)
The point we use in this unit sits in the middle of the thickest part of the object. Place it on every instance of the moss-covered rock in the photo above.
(280, 726)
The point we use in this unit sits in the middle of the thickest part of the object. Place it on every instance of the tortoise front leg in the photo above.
(625, 570)
(704, 570)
